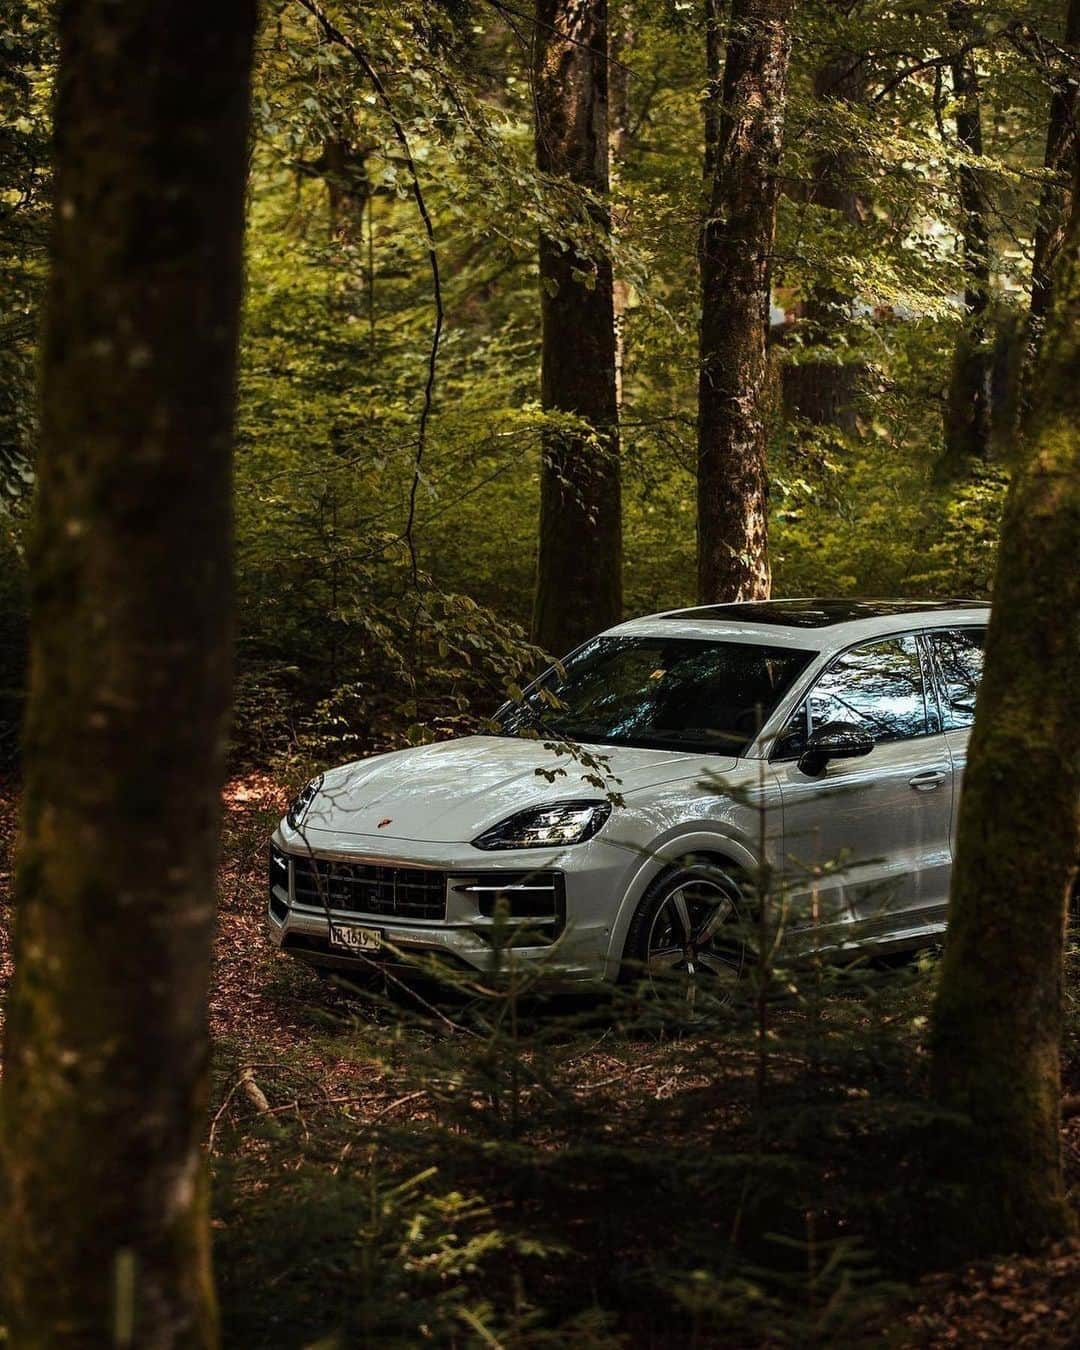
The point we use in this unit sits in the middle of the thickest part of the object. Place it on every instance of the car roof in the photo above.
(811, 623)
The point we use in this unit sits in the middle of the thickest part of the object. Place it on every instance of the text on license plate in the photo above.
(355, 939)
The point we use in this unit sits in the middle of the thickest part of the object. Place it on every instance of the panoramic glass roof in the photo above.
(820, 613)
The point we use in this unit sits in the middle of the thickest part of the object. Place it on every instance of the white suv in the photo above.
(626, 809)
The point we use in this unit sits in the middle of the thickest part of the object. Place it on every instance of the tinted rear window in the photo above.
(958, 655)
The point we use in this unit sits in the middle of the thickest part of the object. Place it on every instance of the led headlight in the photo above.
(298, 810)
(546, 826)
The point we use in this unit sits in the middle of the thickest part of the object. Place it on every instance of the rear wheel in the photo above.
(686, 931)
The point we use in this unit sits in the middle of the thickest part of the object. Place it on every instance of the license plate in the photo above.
(355, 939)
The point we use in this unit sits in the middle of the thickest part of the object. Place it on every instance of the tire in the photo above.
(686, 931)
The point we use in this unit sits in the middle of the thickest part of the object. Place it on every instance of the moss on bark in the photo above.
(106, 1057)
(997, 1022)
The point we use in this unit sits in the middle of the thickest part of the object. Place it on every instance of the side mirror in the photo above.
(835, 740)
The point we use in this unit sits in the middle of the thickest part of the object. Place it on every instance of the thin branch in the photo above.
(935, 63)
(1025, 39)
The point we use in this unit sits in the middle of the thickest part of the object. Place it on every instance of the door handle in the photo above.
(928, 780)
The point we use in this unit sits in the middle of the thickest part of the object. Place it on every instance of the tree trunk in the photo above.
(968, 405)
(1061, 161)
(735, 252)
(622, 39)
(105, 1080)
(579, 572)
(824, 390)
(348, 185)
(998, 1016)
(715, 41)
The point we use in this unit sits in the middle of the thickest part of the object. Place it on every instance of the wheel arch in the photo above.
(702, 846)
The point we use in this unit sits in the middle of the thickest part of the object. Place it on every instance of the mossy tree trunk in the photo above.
(105, 1078)
(579, 570)
(998, 1016)
(735, 250)
(968, 401)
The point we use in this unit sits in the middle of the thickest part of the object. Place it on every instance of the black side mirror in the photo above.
(835, 740)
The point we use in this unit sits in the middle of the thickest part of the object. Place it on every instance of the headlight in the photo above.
(546, 826)
(296, 813)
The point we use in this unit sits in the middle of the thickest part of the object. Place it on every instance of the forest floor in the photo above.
(394, 1173)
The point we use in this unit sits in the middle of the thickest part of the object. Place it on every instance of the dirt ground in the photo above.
(281, 1060)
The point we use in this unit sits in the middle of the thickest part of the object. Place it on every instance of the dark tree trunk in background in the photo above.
(348, 185)
(998, 1017)
(715, 38)
(968, 401)
(1061, 159)
(105, 1077)
(824, 389)
(579, 571)
(735, 253)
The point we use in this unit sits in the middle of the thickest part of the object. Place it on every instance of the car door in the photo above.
(867, 840)
(957, 656)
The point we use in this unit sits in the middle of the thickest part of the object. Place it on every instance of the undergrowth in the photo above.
(508, 1168)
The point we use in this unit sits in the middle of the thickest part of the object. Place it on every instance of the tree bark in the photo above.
(824, 390)
(715, 42)
(621, 41)
(579, 569)
(1062, 161)
(968, 402)
(735, 250)
(348, 185)
(998, 1015)
(106, 1067)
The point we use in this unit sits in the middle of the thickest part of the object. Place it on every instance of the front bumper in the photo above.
(553, 912)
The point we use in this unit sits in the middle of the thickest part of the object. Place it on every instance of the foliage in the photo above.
(474, 1161)
(25, 67)
(363, 544)
(623, 1169)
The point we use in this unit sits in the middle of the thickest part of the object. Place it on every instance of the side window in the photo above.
(791, 742)
(877, 687)
(958, 655)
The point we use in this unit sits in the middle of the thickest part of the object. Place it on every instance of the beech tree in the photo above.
(1062, 163)
(824, 389)
(735, 249)
(967, 409)
(106, 1064)
(998, 1017)
(620, 45)
(579, 570)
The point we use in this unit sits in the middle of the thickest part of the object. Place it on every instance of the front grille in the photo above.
(370, 888)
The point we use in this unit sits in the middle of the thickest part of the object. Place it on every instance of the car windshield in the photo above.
(660, 693)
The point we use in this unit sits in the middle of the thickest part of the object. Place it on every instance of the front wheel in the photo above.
(686, 931)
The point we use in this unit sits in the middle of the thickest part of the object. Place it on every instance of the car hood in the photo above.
(453, 790)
